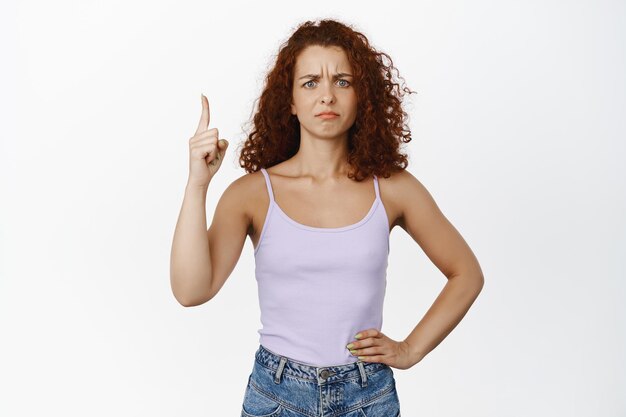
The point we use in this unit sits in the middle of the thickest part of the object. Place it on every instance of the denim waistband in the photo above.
(281, 365)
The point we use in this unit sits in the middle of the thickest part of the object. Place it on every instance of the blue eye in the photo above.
(346, 81)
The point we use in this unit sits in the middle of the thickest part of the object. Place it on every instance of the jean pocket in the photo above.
(388, 406)
(257, 404)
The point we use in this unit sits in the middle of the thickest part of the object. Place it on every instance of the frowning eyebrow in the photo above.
(315, 76)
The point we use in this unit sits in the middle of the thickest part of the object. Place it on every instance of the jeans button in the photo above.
(324, 374)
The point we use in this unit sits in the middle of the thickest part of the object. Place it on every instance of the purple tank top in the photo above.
(318, 287)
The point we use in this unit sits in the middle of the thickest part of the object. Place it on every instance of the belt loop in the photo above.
(279, 371)
(363, 374)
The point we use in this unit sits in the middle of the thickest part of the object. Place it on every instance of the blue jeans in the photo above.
(282, 387)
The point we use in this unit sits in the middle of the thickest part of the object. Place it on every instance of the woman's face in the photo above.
(323, 82)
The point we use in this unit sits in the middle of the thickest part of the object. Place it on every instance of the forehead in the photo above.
(315, 58)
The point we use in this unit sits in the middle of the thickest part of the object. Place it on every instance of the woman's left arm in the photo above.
(422, 219)
(445, 247)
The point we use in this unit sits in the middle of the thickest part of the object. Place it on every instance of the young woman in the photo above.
(332, 184)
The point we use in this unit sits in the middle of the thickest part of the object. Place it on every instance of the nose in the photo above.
(328, 98)
(327, 95)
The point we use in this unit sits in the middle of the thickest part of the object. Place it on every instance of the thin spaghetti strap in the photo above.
(268, 184)
(376, 187)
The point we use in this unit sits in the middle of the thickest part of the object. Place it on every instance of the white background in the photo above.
(518, 133)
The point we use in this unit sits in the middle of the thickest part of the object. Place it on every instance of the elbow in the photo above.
(480, 280)
(191, 301)
(477, 284)
(472, 282)
(189, 296)
(476, 279)
(182, 300)
(187, 303)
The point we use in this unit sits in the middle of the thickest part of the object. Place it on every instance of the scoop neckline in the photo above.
(328, 229)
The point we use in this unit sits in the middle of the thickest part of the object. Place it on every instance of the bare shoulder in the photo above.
(423, 220)
(399, 191)
(245, 190)
(246, 183)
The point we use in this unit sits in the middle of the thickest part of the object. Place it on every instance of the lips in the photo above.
(328, 113)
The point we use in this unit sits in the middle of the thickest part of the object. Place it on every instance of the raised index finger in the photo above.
(206, 117)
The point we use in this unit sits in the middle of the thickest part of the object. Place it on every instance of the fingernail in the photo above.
(350, 346)
(358, 336)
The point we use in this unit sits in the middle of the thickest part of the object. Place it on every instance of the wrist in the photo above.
(196, 187)
(415, 352)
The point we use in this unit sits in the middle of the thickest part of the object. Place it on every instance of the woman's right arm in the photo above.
(190, 262)
(201, 260)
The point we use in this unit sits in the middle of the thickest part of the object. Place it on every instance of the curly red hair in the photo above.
(374, 138)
